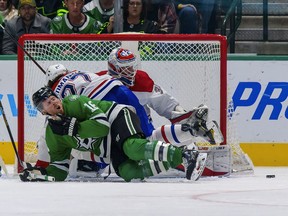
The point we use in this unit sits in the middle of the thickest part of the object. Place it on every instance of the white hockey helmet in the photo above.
(122, 65)
(54, 71)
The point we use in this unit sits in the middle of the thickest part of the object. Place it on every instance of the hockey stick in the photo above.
(22, 163)
(19, 45)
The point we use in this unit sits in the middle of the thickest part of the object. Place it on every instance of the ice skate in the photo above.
(194, 163)
(200, 166)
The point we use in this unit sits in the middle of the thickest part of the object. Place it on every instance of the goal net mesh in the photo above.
(192, 68)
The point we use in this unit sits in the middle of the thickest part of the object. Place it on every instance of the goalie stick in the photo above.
(19, 45)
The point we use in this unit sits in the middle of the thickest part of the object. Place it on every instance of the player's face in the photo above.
(135, 8)
(27, 12)
(3, 5)
(52, 106)
(127, 71)
(74, 6)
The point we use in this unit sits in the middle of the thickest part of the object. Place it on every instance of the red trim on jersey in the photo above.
(95, 89)
(163, 134)
(57, 81)
(142, 83)
(102, 73)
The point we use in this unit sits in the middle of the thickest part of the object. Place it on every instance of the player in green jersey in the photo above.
(75, 21)
(100, 10)
(112, 132)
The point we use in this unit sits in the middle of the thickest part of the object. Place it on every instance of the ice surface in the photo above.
(249, 194)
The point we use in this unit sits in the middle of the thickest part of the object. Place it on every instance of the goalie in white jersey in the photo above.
(122, 65)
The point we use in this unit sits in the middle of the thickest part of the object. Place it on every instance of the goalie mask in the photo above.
(55, 71)
(41, 95)
(122, 65)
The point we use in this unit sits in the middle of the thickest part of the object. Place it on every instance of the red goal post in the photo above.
(193, 68)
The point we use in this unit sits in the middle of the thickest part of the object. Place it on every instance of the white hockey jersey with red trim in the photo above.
(151, 95)
(88, 84)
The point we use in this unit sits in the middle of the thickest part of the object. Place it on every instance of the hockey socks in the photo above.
(139, 170)
(142, 149)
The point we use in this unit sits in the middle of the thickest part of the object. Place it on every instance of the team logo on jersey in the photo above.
(85, 144)
(73, 97)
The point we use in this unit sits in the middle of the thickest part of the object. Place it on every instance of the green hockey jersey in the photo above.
(62, 25)
(94, 119)
(95, 10)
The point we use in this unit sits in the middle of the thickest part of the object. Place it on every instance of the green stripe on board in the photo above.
(252, 57)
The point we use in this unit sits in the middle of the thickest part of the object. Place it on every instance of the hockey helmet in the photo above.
(122, 64)
(54, 71)
(41, 95)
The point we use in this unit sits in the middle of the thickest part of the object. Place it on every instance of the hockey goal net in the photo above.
(190, 67)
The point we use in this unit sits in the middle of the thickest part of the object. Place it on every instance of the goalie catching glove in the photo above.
(33, 174)
(64, 125)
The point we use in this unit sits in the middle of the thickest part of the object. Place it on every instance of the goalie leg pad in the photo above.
(218, 160)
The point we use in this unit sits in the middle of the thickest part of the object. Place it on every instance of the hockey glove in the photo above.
(64, 126)
(33, 174)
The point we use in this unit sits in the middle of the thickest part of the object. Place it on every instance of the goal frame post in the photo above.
(121, 37)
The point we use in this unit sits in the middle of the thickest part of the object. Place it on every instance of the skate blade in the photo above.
(200, 166)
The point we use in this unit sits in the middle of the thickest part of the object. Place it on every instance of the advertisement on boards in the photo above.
(260, 91)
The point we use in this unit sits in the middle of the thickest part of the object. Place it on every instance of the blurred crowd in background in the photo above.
(97, 17)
